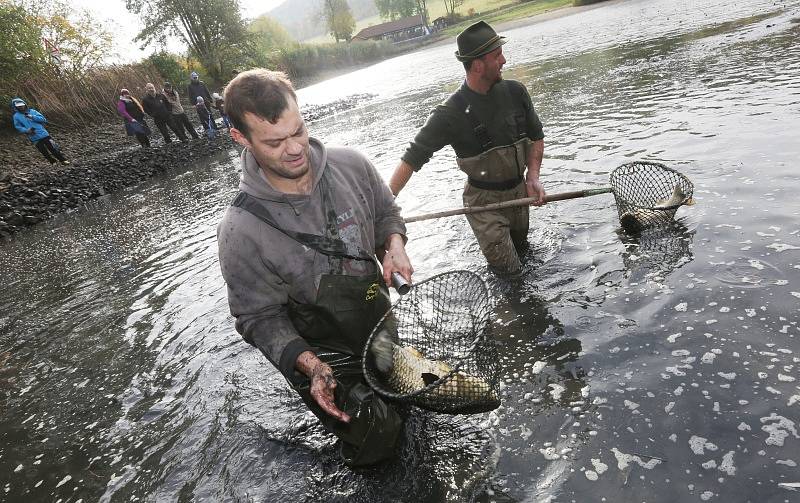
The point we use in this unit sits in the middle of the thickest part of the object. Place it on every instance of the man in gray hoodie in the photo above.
(298, 251)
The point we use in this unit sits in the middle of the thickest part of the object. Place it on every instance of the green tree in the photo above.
(80, 38)
(21, 49)
(213, 30)
(269, 34)
(168, 66)
(395, 9)
(339, 19)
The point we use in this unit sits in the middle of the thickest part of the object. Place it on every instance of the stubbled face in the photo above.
(493, 65)
(281, 149)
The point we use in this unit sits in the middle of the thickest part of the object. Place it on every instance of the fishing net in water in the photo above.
(648, 194)
(444, 358)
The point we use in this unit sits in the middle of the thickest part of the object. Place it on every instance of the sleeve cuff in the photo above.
(290, 354)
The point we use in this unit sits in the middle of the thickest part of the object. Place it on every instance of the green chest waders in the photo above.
(496, 176)
(338, 324)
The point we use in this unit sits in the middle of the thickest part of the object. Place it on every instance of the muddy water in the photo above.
(659, 368)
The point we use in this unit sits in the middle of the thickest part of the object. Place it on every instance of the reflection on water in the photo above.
(661, 367)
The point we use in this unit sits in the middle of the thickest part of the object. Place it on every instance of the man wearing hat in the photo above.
(498, 141)
(197, 88)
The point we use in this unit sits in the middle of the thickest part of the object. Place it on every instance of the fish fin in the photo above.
(383, 351)
(429, 378)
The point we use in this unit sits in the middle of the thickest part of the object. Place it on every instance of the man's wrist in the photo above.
(394, 242)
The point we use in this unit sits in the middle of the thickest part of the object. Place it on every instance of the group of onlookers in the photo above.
(168, 113)
(163, 106)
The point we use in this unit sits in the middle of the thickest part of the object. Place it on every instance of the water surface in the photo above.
(658, 368)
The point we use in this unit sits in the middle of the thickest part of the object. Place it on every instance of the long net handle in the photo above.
(525, 201)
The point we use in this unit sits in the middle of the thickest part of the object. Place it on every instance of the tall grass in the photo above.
(80, 99)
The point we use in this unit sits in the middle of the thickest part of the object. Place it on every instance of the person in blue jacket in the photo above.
(30, 122)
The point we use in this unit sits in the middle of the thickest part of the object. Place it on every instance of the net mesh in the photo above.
(444, 358)
(648, 194)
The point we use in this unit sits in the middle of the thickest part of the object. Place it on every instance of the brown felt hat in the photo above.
(477, 40)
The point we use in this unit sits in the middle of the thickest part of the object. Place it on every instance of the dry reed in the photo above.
(80, 100)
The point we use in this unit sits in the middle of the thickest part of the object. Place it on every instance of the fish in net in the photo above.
(434, 349)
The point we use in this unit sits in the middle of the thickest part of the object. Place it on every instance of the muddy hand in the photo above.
(322, 386)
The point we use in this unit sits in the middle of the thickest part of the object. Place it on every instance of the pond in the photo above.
(656, 368)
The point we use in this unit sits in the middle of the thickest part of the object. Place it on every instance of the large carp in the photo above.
(408, 370)
(635, 220)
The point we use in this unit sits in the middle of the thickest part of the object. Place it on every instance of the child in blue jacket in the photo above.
(31, 123)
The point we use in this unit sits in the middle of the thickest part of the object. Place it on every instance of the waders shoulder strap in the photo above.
(326, 245)
(459, 101)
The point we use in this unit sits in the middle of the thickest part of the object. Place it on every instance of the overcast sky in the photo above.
(126, 25)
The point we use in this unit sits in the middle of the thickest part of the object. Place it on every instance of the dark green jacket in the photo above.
(506, 111)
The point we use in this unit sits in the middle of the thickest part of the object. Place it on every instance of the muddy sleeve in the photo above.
(257, 296)
(433, 136)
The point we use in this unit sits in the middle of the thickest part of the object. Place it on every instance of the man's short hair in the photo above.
(261, 92)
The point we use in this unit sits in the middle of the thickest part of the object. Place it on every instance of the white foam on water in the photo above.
(708, 358)
(556, 390)
(778, 430)
(631, 405)
(729, 376)
(549, 453)
(682, 307)
(787, 462)
(726, 465)
(707, 495)
(700, 444)
(538, 367)
(623, 460)
(782, 247)
(599, 466)
(64, 481)
(669, 407)
(743, 426)
(672, 338)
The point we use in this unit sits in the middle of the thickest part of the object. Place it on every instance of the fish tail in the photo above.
(383, 351)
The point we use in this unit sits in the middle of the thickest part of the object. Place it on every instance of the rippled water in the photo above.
(663, 368)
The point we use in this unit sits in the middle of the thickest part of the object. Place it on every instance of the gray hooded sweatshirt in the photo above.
(263, 267)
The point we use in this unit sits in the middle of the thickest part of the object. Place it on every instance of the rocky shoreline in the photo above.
(104, 159)
(32, 190)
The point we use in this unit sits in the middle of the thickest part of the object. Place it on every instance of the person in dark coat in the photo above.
(131, 110)
(198, 88)
(157, 107)
(31, 123)
(179, 117)
(206, 119)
